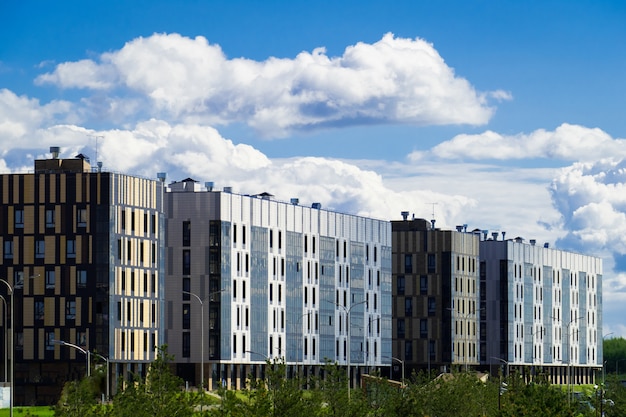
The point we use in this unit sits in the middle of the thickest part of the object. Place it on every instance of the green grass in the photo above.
(43, 411)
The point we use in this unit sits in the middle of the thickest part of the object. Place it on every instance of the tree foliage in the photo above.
(614, 351)
(158, 394)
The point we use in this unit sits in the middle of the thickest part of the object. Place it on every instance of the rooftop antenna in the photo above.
(96, 137)
(432, 221)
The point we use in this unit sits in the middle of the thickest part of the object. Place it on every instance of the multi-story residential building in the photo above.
(545, 310)
(436, 313)
(82, 254)
(251, 279)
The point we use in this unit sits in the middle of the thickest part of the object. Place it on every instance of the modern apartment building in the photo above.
(83, 258)
(251, 279)
(545, 310)
(436, 313)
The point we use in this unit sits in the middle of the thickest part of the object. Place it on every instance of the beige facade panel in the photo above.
(29, 344)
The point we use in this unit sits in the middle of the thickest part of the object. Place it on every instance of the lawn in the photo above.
(44, 411)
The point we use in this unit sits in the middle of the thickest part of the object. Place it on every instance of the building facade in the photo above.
(83, 264)
(545, 310)
(272, 280)
(436, 312)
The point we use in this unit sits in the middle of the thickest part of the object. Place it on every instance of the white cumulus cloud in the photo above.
(567, 142)
(394, 80)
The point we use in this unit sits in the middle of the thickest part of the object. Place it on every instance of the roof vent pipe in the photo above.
(405, 215)
(494, 235)
(459, 228)
(465, 228)
(485, 233)
(54, 150)
(295, 201)
(432, 222)
(546, 245)
(533, 241)
(209, 185)
(503, 233)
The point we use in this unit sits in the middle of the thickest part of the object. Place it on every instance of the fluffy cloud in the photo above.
(19, 115)
(591, 198)
(393, 80)
(567, 142)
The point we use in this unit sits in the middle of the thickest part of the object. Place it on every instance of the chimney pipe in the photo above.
(405, 215)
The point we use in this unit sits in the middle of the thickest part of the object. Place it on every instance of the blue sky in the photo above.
(504, 115)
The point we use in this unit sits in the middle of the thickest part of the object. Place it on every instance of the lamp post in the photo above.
(401, 362)
(348, 311)
(107, 362)
(465, 316)
(617, 366)
(569, 358)
(6, 347)
(12, 351)
(502, 383)
(604, 363)
(299, 344)
(202, 332)
(85, 351)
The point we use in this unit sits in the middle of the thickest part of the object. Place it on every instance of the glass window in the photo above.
(424, 328)
(401, 329)
(39, 310)
(40, 249)
(400, 283)
(408, 264)
(408, 306)
(70, 310)
(18, 279)
(187, 233)
(50, 279)
(186, 262)
(408, 350)
(432, 306)
(8, 249)
(431, 263)
(186, 345)
(71, 248)
(50, 340)
(81, 217)
(19, 219)
(186, 316)
(50, 218)
(423, 284)
(186, 289)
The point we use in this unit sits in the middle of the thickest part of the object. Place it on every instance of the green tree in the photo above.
(160, 394)
(78, 399)
(613, 397)
(538, 398)
(614, 351)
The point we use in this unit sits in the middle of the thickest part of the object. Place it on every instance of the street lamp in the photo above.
(202, 332)
(348, 311)
(604, 363)
(6, 347)
(617, 366)
(85, 351)
(401, 362)
(503, 385)
(12, 385)
(465, 347)
(107, 362)
(569, 358)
